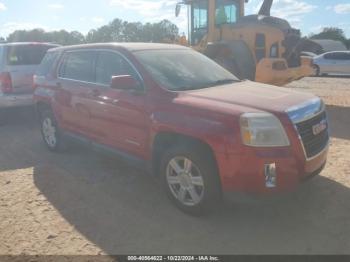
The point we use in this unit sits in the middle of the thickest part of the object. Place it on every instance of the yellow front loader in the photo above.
(258, 47)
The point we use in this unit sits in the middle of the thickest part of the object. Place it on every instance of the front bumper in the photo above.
(8, 101)
(246, 172)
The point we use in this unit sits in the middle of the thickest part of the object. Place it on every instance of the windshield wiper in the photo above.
(223, 82)
(216, 83)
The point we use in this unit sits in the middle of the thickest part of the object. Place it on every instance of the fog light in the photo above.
(270, 176)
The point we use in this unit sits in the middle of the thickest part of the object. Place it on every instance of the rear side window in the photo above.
(78, 66)
(47, 63)
(111, 64)
(26, 54)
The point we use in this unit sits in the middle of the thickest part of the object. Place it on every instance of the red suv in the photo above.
(199, 129)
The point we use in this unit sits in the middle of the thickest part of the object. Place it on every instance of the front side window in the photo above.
(226, 12)
(111, 64)
(26, 54)
(199, 21)
(78, 66)
(330, 56)
(180, 70)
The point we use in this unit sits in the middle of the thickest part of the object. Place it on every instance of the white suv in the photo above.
(18, 63)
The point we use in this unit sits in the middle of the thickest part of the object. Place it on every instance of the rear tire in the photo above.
(190, 179)
(51, 133)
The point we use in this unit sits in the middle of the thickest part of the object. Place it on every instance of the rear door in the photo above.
(76, 76)
(21, 61)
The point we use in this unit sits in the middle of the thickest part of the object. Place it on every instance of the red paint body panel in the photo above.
(130, 122)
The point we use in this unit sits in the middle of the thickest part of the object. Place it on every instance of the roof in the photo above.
(27, 43)
(330, 45)
(132, 47)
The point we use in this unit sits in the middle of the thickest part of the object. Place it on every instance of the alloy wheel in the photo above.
(185, 181)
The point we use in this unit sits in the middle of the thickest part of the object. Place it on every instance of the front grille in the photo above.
(313, 144)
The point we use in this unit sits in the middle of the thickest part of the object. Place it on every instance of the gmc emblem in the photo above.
(319, 128)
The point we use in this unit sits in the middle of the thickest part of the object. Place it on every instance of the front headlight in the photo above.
(263, 130)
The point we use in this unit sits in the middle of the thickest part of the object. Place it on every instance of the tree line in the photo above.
(123, 31)
(116, 31)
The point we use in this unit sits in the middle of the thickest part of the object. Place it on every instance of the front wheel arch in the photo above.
(164, 140)
(42, 107)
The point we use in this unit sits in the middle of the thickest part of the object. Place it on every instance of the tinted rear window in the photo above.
(26, 54)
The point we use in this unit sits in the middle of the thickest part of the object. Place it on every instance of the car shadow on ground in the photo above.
(341, 116)
(123, 211)
(18, 117)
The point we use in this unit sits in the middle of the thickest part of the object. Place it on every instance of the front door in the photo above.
(118, 117)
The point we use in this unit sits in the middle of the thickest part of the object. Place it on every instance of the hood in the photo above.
(246, 96)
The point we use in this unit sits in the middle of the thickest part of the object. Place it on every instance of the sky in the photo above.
(82, 15)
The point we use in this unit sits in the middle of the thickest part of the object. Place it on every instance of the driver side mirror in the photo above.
(124, 82)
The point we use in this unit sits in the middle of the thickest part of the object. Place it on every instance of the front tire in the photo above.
(190, 179)
(50, 131)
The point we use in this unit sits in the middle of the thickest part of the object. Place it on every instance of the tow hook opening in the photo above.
(270, 175)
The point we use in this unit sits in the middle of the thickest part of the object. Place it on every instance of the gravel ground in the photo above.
(82, 203)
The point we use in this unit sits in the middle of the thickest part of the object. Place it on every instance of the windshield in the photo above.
(180, 70)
